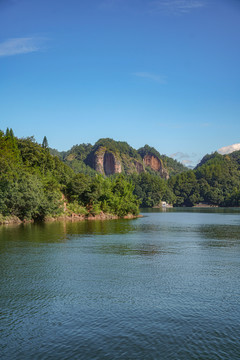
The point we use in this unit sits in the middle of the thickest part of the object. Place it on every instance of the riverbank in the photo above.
(101, 216)
(14, 220)
(203, 205)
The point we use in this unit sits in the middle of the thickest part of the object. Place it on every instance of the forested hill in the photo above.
(215, 181)
(35, 184)
(109, 157)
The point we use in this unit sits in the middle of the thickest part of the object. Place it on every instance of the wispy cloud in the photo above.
(180, 155)
(19, 46)
(176, 6)
(229, 149)
(157, 78)
(185, 158)
(154, 6)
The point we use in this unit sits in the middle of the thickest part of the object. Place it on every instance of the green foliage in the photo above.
(151, 189)
(79, 166)
(78, 152)
(147, 150)
(186, 188)
(109, 195)
(215, 156)
(75, 208)
(32, 184)
(75, 158)
(215, 181)
(120, 147)
(33, 181)
(45, 143)
(27, 198)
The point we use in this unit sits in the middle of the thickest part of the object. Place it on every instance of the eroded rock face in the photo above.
(156, 165)
(106, 163)
(110, 164)
(139, 167)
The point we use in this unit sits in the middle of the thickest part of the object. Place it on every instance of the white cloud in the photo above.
(188, 159)
(19, 46)
(229, 149)
(150, 76)
(176, 6)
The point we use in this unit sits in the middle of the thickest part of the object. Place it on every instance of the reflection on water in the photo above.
(165, 286)
(228, 235)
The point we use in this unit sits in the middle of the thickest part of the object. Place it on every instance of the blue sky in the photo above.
(159, 72)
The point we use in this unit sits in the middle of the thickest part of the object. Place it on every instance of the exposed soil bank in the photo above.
(101, 216)
(13, 220)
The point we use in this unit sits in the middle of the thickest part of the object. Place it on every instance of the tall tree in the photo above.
(11, 134)
(45, 143)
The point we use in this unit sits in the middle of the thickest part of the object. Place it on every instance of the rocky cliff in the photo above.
(109, 157)
(156, 164)
(106, 162)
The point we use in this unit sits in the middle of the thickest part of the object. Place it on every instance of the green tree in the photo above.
(45, 143)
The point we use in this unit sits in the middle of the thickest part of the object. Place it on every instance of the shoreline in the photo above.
(14, 220)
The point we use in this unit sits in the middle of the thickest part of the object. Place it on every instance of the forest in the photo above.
(35, 184)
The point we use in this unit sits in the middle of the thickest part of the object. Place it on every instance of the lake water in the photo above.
(165, 286)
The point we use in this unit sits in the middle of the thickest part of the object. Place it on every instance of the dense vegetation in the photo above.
(215, 181)
(151, 189)
(35, 184)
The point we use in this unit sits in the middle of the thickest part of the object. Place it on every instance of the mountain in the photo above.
(215, 181)
(109, 157)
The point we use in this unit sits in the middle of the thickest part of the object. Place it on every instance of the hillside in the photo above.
(35, 185)
(109, 157)
(173, 167)
(215, 181)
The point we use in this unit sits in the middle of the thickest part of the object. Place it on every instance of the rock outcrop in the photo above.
(155, 164)
(139, 167)
(109, 157)
(106, 162)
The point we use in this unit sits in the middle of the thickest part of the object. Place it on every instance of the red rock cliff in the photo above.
(156, 165)
(107, 163)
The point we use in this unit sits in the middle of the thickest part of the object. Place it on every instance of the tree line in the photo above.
(34, 184)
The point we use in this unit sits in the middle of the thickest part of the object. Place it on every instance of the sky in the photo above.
(159, 72)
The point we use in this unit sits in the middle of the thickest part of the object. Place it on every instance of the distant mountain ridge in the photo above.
(109, 157)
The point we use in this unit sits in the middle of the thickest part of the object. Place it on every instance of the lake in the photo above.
(164, 286)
